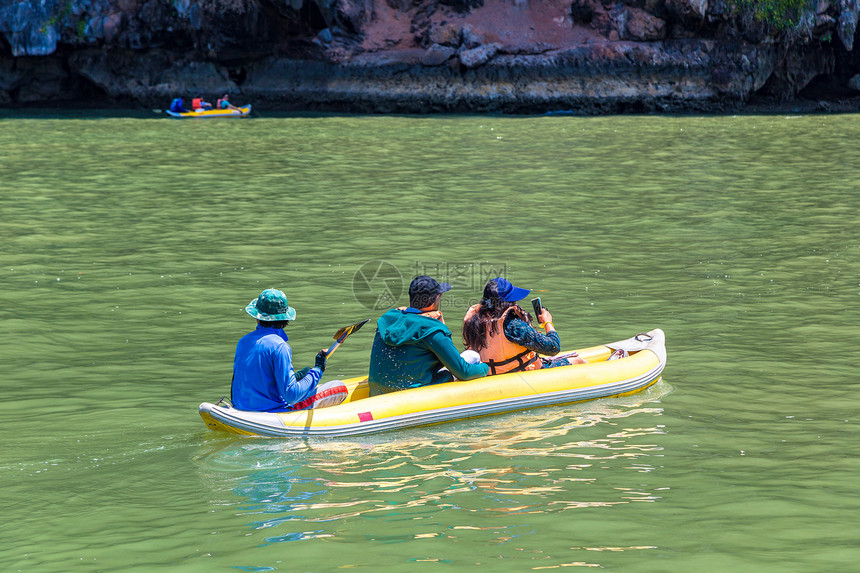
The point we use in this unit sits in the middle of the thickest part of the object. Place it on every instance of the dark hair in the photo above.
(422, 300)
(273, 323)
(490, 309)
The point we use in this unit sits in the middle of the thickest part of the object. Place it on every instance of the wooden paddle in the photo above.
(341, 335)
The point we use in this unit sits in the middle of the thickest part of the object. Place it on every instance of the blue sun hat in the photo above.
(271, 306)
(509, 292)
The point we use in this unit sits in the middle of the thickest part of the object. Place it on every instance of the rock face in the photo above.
(30, 28)
(588, 56)
(847, 25)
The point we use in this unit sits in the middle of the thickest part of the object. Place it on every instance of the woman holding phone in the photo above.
(500, 331)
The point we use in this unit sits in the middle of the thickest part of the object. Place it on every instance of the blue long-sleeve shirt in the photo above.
(263, 376)
(519, 331)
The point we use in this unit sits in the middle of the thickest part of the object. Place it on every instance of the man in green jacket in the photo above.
(412, 344)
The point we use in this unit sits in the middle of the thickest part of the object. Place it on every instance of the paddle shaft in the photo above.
(331, 349)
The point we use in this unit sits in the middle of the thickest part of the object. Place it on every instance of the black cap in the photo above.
(423, 290)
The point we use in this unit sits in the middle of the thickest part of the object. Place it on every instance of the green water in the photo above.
(130, 247)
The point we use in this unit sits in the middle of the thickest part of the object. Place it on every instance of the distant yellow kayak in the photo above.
(361, 414)
(243, 111)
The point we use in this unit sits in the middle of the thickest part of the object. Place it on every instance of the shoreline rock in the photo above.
(424, 56)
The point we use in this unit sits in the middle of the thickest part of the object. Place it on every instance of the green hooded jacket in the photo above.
(410, 348)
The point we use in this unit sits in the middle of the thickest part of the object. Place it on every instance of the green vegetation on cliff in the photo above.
(779, 14)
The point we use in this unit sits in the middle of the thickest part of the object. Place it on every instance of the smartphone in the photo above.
(537, 307)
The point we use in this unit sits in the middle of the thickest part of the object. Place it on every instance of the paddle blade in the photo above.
(341, 334)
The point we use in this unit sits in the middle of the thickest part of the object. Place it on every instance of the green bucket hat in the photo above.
(271, 306)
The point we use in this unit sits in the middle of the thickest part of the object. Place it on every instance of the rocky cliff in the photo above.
(587, 56)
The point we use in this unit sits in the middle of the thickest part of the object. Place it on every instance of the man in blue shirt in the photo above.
(263, 376)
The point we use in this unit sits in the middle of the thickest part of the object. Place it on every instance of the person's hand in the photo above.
(544, 316)
(320, 359)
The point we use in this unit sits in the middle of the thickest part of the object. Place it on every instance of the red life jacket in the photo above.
(500, 354)
(197, 103)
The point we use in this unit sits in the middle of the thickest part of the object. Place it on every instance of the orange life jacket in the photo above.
(500, 354)
(197, 103)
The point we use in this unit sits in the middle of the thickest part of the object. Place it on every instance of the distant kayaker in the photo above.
(199, 104)
(177, 106)
(263, 376)
(413, 347)
(224, 103)
(500, 331)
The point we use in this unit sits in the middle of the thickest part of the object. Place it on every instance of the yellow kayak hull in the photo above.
(361, 414)
(243, 111)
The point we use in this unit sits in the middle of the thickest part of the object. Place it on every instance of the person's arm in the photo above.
(293, 390)
(441, 345)
(520, 332)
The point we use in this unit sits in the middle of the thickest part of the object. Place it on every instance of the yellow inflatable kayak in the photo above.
(211, 113)
(361, 414)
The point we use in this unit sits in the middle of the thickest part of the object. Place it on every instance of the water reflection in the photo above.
(539, 462)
